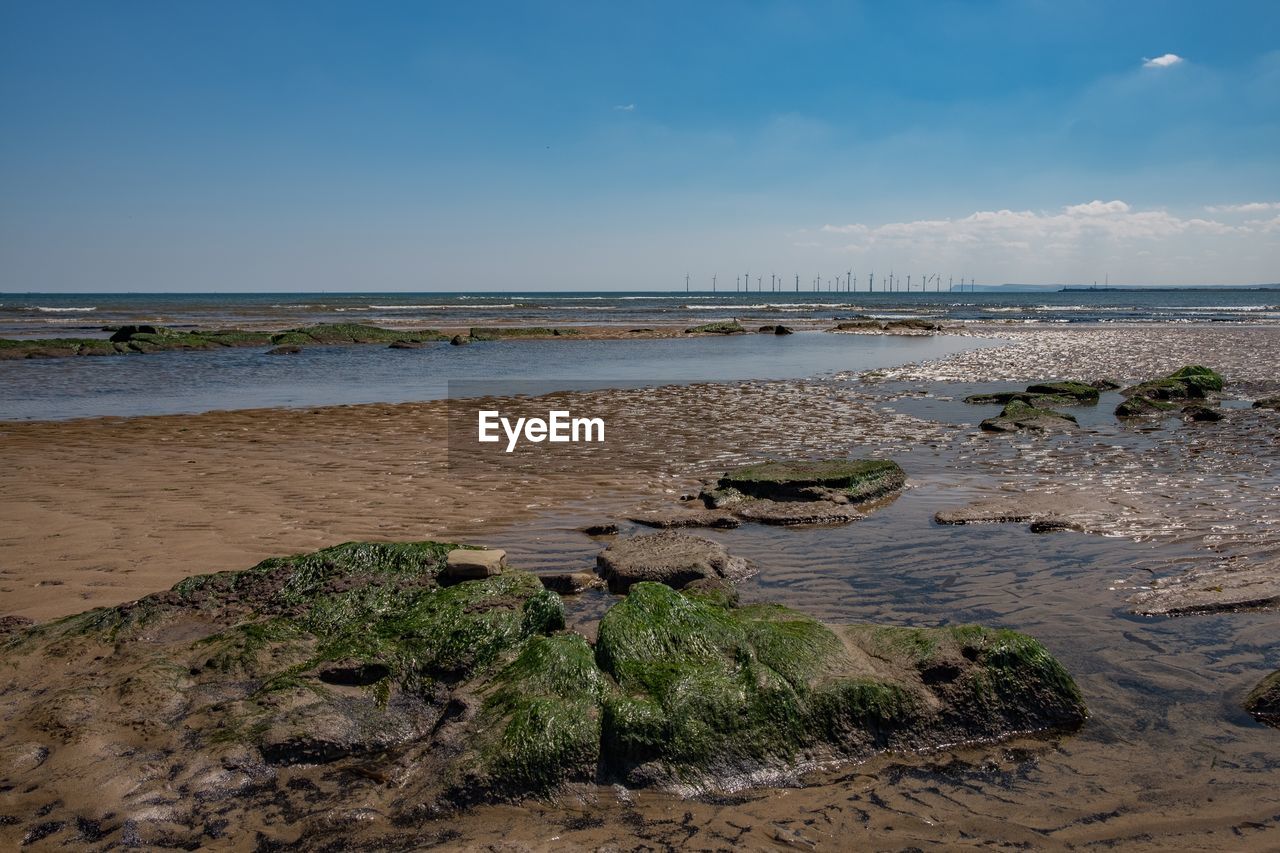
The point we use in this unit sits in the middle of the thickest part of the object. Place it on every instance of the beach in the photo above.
(102, 511)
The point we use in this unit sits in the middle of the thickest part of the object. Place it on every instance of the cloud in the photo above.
(1162, 61)
(625, 108)
(1074, 225)
(1247, 207)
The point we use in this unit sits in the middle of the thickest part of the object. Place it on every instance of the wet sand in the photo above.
(103, 511)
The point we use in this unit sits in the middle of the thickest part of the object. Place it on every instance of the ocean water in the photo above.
(84, 315)
(247, 378)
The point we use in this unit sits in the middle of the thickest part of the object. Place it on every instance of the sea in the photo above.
(244, 378)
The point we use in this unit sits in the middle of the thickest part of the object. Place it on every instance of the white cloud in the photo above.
(1247, 207)
(1162, 61)
(1026, 230)
(625, 108)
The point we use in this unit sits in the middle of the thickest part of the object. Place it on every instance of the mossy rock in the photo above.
(1042, 394)
(354, 333)
(713, 695)
(357, 658)
(1264, 700)
(723, 327)
(1157, 396)
(1018, 416)
(854, 480)
(497, 333)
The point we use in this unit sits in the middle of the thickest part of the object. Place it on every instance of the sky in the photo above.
(277, 146)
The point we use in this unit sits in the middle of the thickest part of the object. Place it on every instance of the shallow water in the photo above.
(242, 378)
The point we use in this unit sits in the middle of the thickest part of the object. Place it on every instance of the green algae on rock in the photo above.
(856, 480)
(256, 689)
(1048, 393)
(1159, 396)
(723, 327)
(146, 339)
(1018, 415)
(497, 333)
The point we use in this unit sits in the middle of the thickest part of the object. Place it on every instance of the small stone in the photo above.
(469, 564)
(1197, 412)
(606, 529)
(570, 583)
(459, 341)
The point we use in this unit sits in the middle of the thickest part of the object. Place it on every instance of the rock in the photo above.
(406, 345)
(1017, 416)
(353, 333)
(1105, 384)
(716, 696)
(1264, 700)
(793, 513)
(724, 327)
(1154, 397)
(495, 333)
(671, 558)
(1228, 587)
(1042, 394)
(459, 341)
(1268, 403)
(676, 518)
(355, 667)
(570, 583)
(1142, 407)
(606, 529)
(1044, 512)
(907, 326)
(1054, 525)
(469, 564)
(288, 349)
(1196, 412)
(775, 330)
(14, 624)
(124, 333)
(854, 480)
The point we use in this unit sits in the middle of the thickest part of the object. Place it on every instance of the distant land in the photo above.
(1121, 288)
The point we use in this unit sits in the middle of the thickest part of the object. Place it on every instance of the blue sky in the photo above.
(445, 146)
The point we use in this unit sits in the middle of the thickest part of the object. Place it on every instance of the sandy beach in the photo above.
(102, 511)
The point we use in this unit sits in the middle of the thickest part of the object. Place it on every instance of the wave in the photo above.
(48, 310)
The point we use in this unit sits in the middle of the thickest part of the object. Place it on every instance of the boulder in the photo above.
(1018, 416)
(1264, 700)
(1159, 396)
(1268, 403)
(670, 558)
(607, 528)
(459, 341)
(775, 330)
(469, 563)
(1197, 412)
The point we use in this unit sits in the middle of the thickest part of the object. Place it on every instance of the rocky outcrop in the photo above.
(908, 326)
(775, 330)
(498, 333)
(723, 327)
(1043, 512)
(358, 671)
(1272, 403)
(1160, 396)
(1264, 700)
(674, 559)
(146, 339)
(1018, 416)
(1042, 393)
